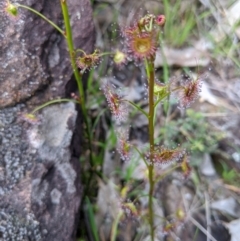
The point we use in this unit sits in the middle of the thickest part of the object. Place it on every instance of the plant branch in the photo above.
(137, 107)
(52, 102)
(77, 75)
(43, 17)
(141, 155)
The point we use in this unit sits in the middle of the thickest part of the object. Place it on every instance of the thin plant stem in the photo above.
(72, 51)
(77, 75)
(137, 107)
(68, 36)
(43, 17)
(115, 226)
(151, 75)
(161, 99)
(100, 55)
(142, 156)
(156, 104)
(52, 102)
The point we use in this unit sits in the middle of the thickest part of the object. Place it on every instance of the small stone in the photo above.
(206, 166)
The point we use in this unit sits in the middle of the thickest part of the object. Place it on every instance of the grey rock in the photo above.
(34, 55)
(40, 189)
(207, 167)
(17, 227)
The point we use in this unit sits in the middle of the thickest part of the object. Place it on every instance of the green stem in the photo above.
(77, 75)
(100, 55)
(43, 17)
(115, 226)
(71, 50)
(52, 102)
(151, 75)
(160, 99)
(137, 107)
(147, 67)
(68, 36)
(141, 155)
(106, 53)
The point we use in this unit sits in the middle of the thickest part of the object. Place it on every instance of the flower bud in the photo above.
(160, 90)
(160, 20)
(88, 61)
(119, 58)
(11, 9)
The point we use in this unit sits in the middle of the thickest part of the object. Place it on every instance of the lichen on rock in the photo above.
(14, 226)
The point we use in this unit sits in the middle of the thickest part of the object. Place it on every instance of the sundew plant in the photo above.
(80, 62)
(141, 40)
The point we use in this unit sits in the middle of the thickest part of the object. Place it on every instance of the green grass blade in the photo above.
(92, 219)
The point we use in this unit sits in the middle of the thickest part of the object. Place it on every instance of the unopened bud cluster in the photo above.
(11, 9)
(88, 61)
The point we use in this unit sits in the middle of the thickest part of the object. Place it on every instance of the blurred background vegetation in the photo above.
(200, 40)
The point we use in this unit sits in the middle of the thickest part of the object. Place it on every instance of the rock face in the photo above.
(40, 190)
